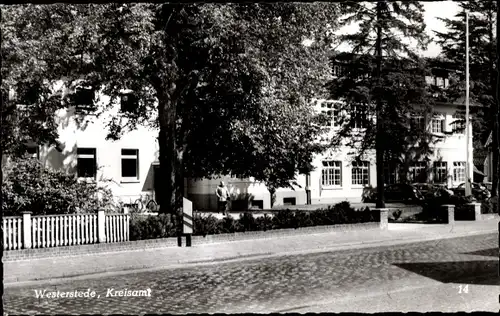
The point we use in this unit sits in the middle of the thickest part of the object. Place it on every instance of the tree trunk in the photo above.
(494, 143)
(272, 195)
(379, 150)
(170, 202)
(495, 149)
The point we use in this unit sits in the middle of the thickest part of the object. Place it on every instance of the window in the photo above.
(331, 174)
(440, 82)
(130, 163)
(458, 123)
(259, 204)
(86, 163)
(83, 98)
(440, 171)
(390, 173)
(429, 80)
(437, 124)
(338, 70)
(417, 122)
(361, 173)
(32, 151)
(128, 103)
(418, 172)
(289, 201)
(359, 116)
(459, 171)
(332, 110)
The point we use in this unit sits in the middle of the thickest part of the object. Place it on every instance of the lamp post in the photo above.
(467, 129)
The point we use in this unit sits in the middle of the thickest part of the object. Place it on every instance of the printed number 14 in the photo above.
(463, 289)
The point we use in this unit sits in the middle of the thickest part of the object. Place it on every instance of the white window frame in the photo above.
(417, 121)
(437, 124)
(86, 108)
(440, 171)
(390, 173)
(358, 119)
(416, 169)
(123, 106)
(131, 157)
(459, 171)
(338, 70)
(332, 109)
(359, 173)
(87, 156)
(331, 174)
(440, 82)
(455, 125)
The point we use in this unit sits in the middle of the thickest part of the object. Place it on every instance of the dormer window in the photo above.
(128, 102)
(338, 70)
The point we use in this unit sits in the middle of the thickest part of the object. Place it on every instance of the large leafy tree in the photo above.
(227, 85)
(384, 81)
(483, 71)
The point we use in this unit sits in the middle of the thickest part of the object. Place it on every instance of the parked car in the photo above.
(399, 192)
(431, 190)
(479, 191)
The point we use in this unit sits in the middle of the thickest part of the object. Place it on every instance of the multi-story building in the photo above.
(128, 166)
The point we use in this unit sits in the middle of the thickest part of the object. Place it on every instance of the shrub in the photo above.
(283, 219)
(247, 222)
(264, 223)
(321, 217)
(489, 206)
(205, 225)
(228, 225)
(209, 225)
(302, 219)
(151, 226)
(29, 186)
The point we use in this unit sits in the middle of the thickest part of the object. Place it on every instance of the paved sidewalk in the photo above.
(20, 272)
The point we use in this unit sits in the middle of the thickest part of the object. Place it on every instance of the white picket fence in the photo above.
(25, 232)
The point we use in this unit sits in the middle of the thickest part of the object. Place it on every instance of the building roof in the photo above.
(477, 171)
(478, 160)
(489, 140)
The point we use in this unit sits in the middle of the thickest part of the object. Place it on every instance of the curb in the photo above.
(244, 257)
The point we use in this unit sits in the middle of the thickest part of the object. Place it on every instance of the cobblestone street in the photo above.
(278, 283)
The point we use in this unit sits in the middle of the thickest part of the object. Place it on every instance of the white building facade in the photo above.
(128, 166)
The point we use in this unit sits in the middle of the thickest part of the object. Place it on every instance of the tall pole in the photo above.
(467, 129)
(497, 171)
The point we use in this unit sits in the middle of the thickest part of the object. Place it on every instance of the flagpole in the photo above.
(467, 134)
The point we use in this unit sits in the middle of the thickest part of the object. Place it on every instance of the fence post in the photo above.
(477, 210)
(101, 222)
(384, 218)
(26, 230)
(187, 218)
(450, 208)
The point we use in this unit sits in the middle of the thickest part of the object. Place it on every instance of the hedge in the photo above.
(150, 227)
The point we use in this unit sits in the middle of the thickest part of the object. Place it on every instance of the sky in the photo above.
(433, 11)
